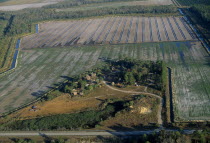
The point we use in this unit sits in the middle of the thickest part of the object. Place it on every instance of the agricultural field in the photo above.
(111, 30)
(40, 68)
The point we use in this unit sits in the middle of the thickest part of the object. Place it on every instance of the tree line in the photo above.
(135, 72)
(68, 4)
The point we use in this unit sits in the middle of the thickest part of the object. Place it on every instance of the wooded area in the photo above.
(202, 11)
(67, 4)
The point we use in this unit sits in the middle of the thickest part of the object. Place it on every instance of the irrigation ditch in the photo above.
(37, 28)
(170, 86)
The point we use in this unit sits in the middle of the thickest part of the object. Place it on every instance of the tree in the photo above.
(90, 87)
(138, 77)
(67, 89)
(81, 84)
(129, 78)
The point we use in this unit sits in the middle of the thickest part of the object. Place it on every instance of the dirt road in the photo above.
(144, 93)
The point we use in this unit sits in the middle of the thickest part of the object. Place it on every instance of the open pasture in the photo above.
(39, 69)
(110, 30)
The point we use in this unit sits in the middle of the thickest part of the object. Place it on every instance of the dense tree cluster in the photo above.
(193, 2)
(201, 8)
(135, 72)
(124, 72)
(202, 11)
(82, 84)
(72, 3)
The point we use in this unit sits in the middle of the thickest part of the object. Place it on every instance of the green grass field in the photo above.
(40, 69)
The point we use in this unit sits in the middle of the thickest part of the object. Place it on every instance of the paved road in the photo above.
(79, 133)
(87, 133)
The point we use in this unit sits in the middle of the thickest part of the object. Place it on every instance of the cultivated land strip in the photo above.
(109, 30)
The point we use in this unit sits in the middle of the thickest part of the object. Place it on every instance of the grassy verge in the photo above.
(7, 51)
